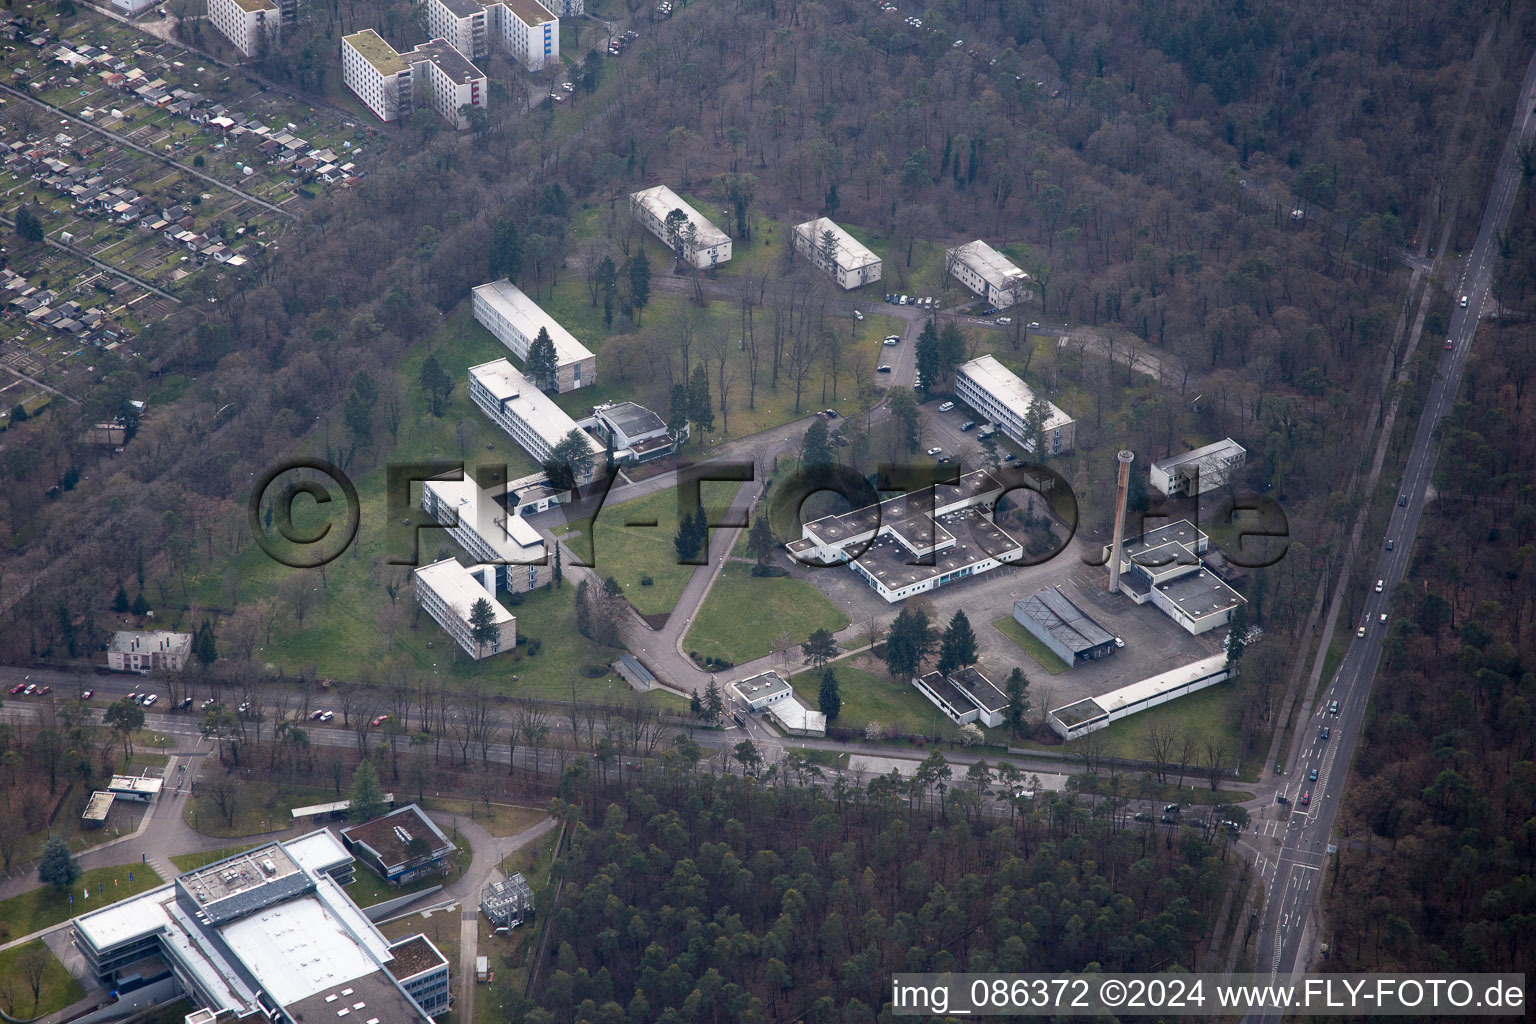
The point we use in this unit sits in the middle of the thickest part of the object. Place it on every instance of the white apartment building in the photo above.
(1203, 469)
(988, 273)
(851, 263)
(997, 394)
(393, 85)
(507, 312)
(448, 592)
(527, 414)
(510, 554)
(245, 23)
(148, 651)
(708, 245)
(525, 29)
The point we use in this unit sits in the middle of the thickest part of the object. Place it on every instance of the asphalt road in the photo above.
(1292, 857)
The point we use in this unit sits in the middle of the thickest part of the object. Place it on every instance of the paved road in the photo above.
(1291, 865)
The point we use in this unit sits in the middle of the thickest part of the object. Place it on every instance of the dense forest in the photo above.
(1144, 162)
(1439, 825)
(699, 897)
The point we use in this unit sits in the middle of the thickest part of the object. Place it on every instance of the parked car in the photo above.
(131, 695)
(830, 414)
(1119, 641)
(883, 368)
(967, 425)
(1169, 819)
(205, 705)
(244, 707)
(946, 407)
(857, 315)
(184, 703)
(1009, 457)
(18, 688)
(894, 339)
(935, 451)
(88, 694)
(1005, 320)
(326, 716)
(1034, 325)
(314, 716)
(1142, 817)
(150, 699)
(1171, 809)
(30, 689)
(378, 721)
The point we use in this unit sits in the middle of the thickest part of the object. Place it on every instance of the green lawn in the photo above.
(871, 696)
(44, 906)
(778, 605)
(193, 861)
(58, 988)
(627, 550)
(368, 888)
(825, 758)
(1038, 653)
(1205, 714)
(263, 807)
(501, 820)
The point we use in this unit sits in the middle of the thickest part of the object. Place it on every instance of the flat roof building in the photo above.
(510, 554)
(947, 697)
(525, 29)
(1069, 632)
(1203, 469)
(247, 24)
(507, 312)
(143, 789)
(527, 414)
(1164, 567)
(991, 703)
(998, 394)
(847, 260)
(1094, 713)
(917, 541)
(141, 651)
(267, 934)
(393, 85)
(385, 845)
(448, 592)
(763, 689)
(707, 246)
(988, 273)
(796, 719)
(636, 433)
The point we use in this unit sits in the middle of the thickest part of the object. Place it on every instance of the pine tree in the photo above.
(1237, 636)
(639, 282)
(120, 600)
(760, 540)
(204, 646)
(367, 799)
(1017, 691)
(557, 576)
(677, 417)
(714, 703)
(829, 700)
(57, 865)
(1035, 418)
(816, 448)
(908, 643)
(483, 629)
(929, 359)
(695, 706)
(141, 606)
(700, 408)
(819, 649)
(958, 648)
(543, 364)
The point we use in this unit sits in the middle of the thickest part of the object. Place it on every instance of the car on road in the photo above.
(935, 451)
(378, 721)
(1325, 733)
(1463, 302)
(883, 368)
(1449, 344)
(1306, 798)
(1281, 798)
(1005, 320)
(1333, 707)
(1312, 775)
(88, 694)
(150, 699)
(946, 407)
(1402, 501)
(893, 339)
(1391, 544)
(1360, 631)
(1142, 817)
(1034, 325)
(1379, 585)
(1383, 618)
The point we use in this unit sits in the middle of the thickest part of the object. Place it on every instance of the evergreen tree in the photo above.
(543, 365)
(1017, 691)
(27, 224)
(367, 799)
(677, 417)
(57, 865)
(557, 575)
(437, 386)
(692, 531)
(908, 642)
(695, 706)
(904, 408)
(357, 411)
(570, 462)
(958, 647)
(819, 649)
(1035, 418)
(760, 540)
(120, 600)
(506, 254)
(639, 281)
(483, 629)
(714, 702)
(141, 606)
(828, 700)
(1237, 636)
(929, 361)
(204, 645)
(700, 409)
(951, 349)
(816, 448)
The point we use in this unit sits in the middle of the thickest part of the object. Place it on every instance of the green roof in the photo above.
(252, 6)
(384, 58)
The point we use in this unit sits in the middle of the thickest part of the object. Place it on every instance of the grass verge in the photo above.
(1038, 653)
(56, 990)
(780, 605)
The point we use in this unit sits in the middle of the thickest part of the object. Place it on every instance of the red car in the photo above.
(88, 694)
(379, 721)
(18, 688)
(45, 689)
(1306, 798)
(1449, 344)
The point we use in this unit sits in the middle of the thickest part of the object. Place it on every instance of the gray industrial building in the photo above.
(1070, 633)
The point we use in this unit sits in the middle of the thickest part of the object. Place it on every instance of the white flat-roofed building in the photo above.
(763, 689)
(796, 719)
(135, 787)
(1164, 567)
(947, 697)
(999, 395)
(526, 29)
(991, 703)
(707, 246)
(510, 553)
(507, 312)
(850, 262)
(988, 273)
(636, 433)
(135, 650)
(393, 84)
(448, 592)
(245, 23)
(1203, 469)
(270, 935)
(528, 416)
(1094, 713)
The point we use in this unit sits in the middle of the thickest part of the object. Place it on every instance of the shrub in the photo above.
(513, 599)
(769, 570)
(593, 671)
(534, 646)
(646, 581)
